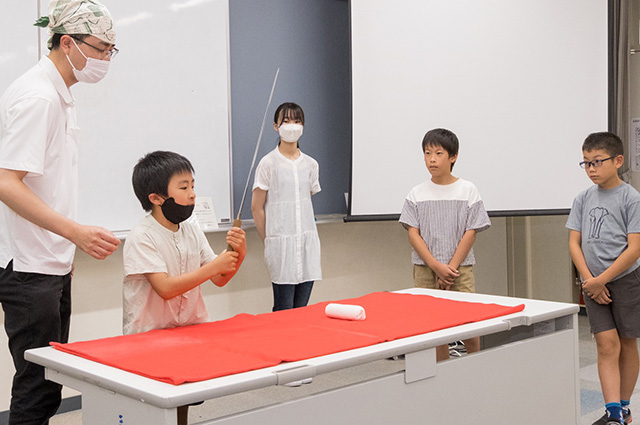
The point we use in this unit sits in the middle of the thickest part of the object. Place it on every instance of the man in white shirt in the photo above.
(38, 196)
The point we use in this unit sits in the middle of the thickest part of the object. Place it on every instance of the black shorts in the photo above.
(623, 313)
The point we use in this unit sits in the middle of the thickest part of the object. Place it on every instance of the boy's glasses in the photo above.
(104, 52)
(595, 163)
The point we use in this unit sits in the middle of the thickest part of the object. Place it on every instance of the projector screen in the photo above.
(520, 82)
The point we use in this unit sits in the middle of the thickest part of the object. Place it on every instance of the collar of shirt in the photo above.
(55, 77)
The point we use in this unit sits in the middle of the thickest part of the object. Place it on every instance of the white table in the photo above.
(527, 370)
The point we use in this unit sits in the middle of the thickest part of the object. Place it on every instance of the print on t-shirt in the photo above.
(596, 216)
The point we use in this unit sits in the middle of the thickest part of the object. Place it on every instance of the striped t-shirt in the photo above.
(443, 213)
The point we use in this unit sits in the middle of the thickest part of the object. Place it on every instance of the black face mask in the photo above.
(176, 213)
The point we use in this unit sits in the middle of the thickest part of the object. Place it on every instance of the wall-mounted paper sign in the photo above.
(204, 215)
(634, 148)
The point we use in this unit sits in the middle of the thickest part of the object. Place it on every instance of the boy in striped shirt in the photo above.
(443, 216)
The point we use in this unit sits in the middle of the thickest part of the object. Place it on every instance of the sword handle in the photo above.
(236, 223)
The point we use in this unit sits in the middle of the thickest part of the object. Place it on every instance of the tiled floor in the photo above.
(591, 402)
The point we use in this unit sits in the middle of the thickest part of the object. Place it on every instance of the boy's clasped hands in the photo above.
(446, 275)
(596, 291)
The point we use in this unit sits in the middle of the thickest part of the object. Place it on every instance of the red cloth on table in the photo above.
(248, 342)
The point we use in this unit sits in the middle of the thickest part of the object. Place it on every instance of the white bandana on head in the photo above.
(79, 17)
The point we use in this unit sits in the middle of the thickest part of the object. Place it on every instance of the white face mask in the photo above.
(290, 132)
(93, 71)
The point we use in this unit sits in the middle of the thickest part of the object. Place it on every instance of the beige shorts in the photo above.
(424, 277)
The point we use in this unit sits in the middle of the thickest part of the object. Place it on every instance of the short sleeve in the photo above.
(574, 222)
(206, 253)
(140, 256)
(409, 214)
(633, 225)
(477, 218)
(262, 179)
(24, 143)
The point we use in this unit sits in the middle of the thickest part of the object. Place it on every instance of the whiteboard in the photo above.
(166, 90)
(22, 52)
(521, 83)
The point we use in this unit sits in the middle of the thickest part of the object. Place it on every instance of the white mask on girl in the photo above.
(290, 132)
(93, 71)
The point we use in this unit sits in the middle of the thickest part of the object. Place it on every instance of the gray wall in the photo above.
(309, 41)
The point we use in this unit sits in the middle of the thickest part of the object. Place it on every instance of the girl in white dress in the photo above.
(281, 206)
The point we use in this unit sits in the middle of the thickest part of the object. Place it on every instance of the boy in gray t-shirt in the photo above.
(604, 243)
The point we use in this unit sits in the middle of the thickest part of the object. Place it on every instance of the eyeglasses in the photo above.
(104, 52)
(595, 163)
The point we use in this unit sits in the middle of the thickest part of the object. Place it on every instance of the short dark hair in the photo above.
(55, 40)
(604, 140)
(441, 137)
(288, 110)
(153, 172)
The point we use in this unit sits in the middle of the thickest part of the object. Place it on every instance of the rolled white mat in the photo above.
(345, 311)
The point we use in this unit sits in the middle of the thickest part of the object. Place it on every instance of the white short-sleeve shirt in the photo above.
(292, 245)
(38, 134)
(152, 248)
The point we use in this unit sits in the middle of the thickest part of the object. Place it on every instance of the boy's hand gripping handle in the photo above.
(236, 223)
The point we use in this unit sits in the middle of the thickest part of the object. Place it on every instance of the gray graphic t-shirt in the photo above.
(605, 217)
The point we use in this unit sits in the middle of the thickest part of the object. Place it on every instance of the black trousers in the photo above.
(37, 310)
(286, 297)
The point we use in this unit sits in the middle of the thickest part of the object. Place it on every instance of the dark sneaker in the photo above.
(604, 420)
